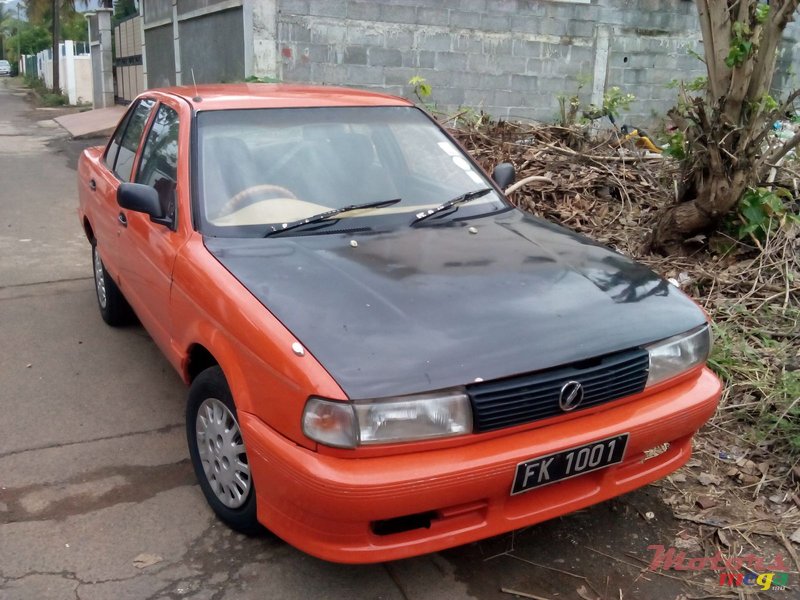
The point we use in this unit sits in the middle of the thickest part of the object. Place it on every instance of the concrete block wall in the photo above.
(511, 58)
(649, 67)
(787, 70)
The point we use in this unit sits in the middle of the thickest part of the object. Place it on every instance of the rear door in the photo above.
(101, 186)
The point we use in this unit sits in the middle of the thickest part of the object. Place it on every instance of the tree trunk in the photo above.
(56, 49)
(727, 129)
(716, 196)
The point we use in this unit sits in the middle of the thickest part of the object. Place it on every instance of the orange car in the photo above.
(385, 358)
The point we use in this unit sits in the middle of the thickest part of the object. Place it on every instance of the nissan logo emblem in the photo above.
(571, 396)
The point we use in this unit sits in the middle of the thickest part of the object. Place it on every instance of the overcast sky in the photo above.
(10, 6)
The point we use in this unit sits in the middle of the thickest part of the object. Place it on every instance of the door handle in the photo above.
(123, 220)
(92, 184)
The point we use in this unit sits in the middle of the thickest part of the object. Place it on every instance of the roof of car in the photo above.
(271, 95)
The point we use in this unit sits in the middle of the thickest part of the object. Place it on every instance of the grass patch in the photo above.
(45, 96)
(35, 84)
(265, 79)
(50, 99)
(756, 354)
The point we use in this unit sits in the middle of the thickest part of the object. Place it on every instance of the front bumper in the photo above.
(325, 505)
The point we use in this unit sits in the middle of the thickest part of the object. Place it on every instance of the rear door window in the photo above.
(113, 146)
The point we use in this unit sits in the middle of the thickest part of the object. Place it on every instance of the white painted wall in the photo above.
(74, 72)
(84, 88)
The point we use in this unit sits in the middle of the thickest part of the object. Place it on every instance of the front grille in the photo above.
(534, 396)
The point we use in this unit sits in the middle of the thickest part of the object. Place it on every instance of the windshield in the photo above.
(4, 63)
(262, 168)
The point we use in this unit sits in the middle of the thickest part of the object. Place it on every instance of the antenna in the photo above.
(196, 94)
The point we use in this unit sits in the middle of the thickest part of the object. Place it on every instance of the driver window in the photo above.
(158, 167)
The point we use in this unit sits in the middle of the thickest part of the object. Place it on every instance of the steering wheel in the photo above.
(252, 194)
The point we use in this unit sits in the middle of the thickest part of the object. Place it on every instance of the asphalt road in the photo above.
(97, 496)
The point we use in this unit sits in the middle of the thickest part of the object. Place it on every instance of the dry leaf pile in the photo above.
(583, 183)
(747, 478)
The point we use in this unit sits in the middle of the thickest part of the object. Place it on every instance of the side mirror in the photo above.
(504, 175)
(141, 198)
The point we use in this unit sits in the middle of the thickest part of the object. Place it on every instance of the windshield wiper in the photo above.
(463, 198)
(328, 214)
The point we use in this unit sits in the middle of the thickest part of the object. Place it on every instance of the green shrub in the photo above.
(51, 99)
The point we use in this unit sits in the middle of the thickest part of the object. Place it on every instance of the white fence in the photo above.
(75, 70)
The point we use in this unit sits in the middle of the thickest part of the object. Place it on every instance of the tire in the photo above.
(218, 454)
(114, 309)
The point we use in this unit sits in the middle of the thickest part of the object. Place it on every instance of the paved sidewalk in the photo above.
(92, 122)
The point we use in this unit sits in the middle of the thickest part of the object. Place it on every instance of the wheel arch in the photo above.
(202, 355)
(198, 359)
(88, 230)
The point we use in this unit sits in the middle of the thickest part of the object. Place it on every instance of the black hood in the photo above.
(423, 308)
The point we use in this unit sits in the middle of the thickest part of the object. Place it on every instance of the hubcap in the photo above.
(221, 450)
(99, 279)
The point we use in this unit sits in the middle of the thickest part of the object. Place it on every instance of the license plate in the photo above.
(544, 470)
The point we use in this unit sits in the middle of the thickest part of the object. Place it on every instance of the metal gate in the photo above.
(128, 64)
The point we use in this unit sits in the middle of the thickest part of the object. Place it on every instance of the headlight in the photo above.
(678, 354)
(387, 420)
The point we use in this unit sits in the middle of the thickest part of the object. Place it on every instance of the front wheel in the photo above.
(217, 451)
(114, 309)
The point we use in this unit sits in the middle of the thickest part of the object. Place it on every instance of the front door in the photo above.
(148, 249)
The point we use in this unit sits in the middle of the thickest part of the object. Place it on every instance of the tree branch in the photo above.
(788, 7)
(764, 124)
(783, 150)
(714, 23)
(767, 53)
(789, 102)
(741, 75)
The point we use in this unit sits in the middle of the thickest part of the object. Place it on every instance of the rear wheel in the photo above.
(218, 453)
(113, 307)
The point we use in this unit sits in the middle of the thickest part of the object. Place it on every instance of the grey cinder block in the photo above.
(450, 61)
(327, 8)
(384, 57)
(364, 11)
(355, 55)
(465, 20)
(433, 16)
(394, 13)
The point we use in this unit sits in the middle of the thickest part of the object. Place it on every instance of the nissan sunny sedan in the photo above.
(384, 357)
